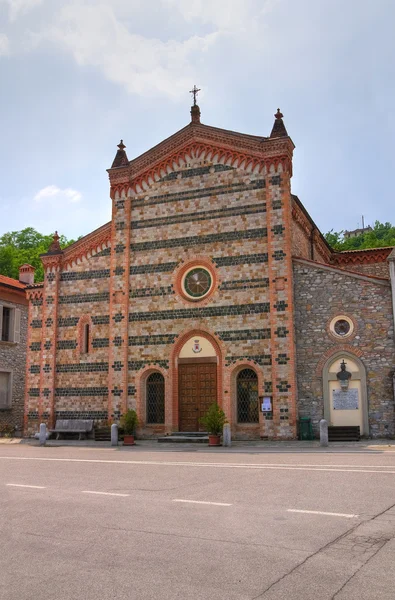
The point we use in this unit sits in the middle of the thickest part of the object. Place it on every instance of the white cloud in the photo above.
(20, 7)
(226, 15)
(53, 192)
(4, 45)
(163, 60)
(143, 65)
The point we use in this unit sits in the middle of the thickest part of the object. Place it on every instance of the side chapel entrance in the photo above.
(197, 382)
(345, 404)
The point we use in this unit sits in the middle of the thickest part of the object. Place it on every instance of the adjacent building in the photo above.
(211, 283)
(13, 330)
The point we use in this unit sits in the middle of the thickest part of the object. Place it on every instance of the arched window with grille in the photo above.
(155, 394)
(247, 397)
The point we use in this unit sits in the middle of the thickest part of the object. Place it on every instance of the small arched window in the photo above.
(86, 339)
(155, 398)
(247, 397)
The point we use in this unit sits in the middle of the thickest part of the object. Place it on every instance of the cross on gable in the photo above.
(194, 91)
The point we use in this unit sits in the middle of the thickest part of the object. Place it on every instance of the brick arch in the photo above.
(220, 352)
(335, 350)
(141, 379)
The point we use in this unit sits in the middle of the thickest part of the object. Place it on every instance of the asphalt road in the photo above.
(132, 523)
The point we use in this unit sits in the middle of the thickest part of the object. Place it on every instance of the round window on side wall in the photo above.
(341, 327)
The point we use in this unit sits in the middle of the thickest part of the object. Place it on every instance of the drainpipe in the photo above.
(312, 243)
(391, 261)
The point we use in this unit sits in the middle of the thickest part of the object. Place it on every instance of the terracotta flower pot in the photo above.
(214, 440)
(128, 440)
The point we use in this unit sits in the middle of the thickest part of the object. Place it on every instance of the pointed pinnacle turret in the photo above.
(195, 114)
(279, 127)
(121, 158)
(55, 246)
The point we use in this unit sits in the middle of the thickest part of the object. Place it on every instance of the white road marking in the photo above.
(105, 493)
(279, 467)
(201, 502)
(319, 512)
(36, 487)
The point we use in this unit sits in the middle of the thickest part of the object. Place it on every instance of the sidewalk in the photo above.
(378, 445)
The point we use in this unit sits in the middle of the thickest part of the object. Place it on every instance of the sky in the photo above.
(76, 76)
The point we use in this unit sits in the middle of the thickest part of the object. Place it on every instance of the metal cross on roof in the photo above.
(195, 92)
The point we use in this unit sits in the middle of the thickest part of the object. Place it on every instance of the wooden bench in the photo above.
(80, 426)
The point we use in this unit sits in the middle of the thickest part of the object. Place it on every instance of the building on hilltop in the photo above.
(357, 232)
(211, 283)
(13, 333)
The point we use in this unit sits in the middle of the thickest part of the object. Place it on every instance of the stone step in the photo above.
(343, 434)
(190, 433)
(183, 439)
(102, 434)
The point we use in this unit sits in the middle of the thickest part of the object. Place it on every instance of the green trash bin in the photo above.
(305, 429)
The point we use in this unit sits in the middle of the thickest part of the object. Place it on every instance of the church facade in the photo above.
(211, 283)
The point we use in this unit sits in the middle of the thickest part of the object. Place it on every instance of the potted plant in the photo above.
(214, 420)
(7, 430)
(129, 422)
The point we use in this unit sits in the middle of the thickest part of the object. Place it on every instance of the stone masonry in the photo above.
(13, 353)
(321, 293)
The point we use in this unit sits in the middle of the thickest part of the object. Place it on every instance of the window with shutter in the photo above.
(17, 326)
(6, 325)
(5, 389)
(10, 324)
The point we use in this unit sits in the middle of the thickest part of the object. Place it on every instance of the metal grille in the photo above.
(247, 397)
(155, 398)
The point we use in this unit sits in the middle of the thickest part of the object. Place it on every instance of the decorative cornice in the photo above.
(34, 293)
(87, 246)
(361, 257)
(201, 142)
(300, 219)
(52, 261)
(321, 246)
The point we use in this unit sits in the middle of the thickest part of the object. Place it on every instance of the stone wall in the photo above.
(321, 293)
(13, 356)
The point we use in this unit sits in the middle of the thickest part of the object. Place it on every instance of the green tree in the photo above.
(382, 234)
(25, 246)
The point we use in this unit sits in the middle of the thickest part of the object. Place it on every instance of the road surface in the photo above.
(102, 523)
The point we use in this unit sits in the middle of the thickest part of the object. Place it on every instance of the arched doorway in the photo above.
(345, 405)
(198, 380)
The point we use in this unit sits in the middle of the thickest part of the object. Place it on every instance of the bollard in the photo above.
(114, 434)
(323, 432)
(226, 435)
(43, 434)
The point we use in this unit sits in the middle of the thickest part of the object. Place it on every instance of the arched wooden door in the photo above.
(197, 382)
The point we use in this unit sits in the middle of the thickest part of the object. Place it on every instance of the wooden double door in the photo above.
(197, 389)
